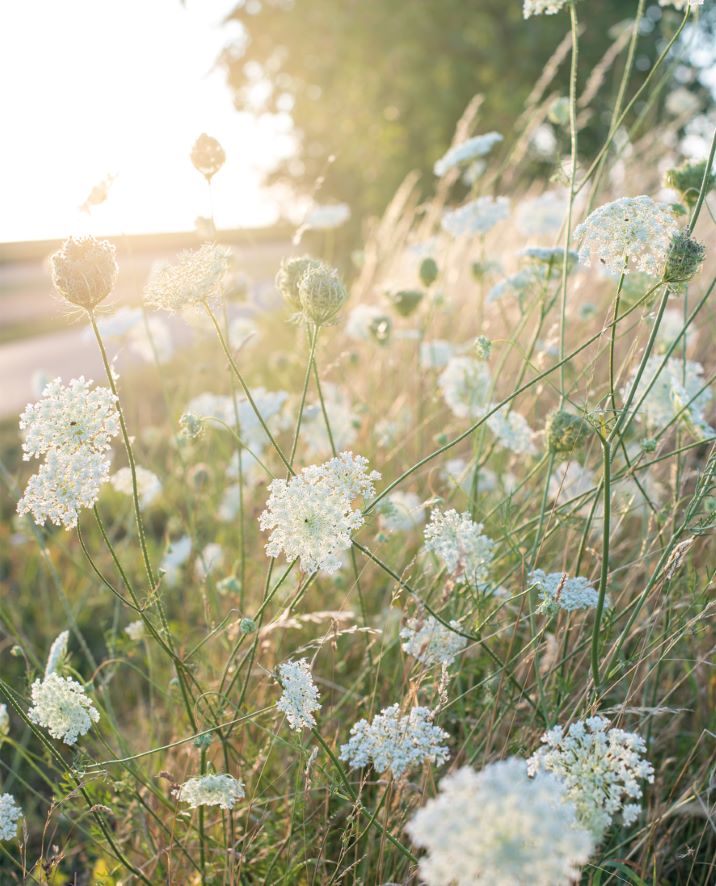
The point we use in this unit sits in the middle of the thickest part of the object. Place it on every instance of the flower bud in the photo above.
(247, 625)
(428, 271)
(406, 301)
(684, 258)
(191, 426)
(84, 271)
(289, 275)
(380, 328)
(687, 180)
(207, 155)
(565, 432)
(322, 294)
(483, 346)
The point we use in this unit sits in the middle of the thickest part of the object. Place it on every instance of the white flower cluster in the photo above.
(476, 217)
(221, 408)
(73, 427)
(542, 215)
(4, 721)
(327, 216)
(61, 706)
(312, 516)
(430, 642)
(57, 654)
(470, 149)
(458, 541)
(556, 590)
(466, 385)
(600, 767)
(189, 283)
(682, 4)
(512, 431)
(211, 790)
(542, 7)
(395, 743)
(10, 815)
(675, 388)
(499, 826)
(148, 484)
(632, 233)
(344, 423)
(401, 512)
(135, 630)
(570, 480)
(300, 694)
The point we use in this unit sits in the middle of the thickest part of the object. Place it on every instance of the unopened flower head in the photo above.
(191, 281)
(68, 418)
(463, 153)
(57, 654)
(289, 276)
(148, 484)
(499, 826)
(211, 790)
(684, 258)
(431, 642)
(428, 271)
(566, 431)
(84, 271)
(632, 233)
(394, 743)
(476, 217)
(300, 696)
(675, 390)
(312, 515)
(62, 707)
(556, 590)
(688, 179)
(466, 385)
(512, 431)
(460, 544)
(65, 484)
(207, 155)
(322, 294)
(601, 769)
(10, 815)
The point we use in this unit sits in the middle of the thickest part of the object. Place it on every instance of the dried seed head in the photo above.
(684, 258)
(322, 294)
(290, 274)
(565, 432)
(207, 155)
(84, 271)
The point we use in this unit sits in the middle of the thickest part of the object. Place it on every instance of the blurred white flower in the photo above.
(10, 815)
(135, 630)
(401, 512)
(57, 654)
(435, 354)
(332, 215)
(191, 281)
(148, 484)
(466, 385)
(175, 557)
(463, 153)
(512, 431)
(430, 642)
(476, 217)
(208, 560)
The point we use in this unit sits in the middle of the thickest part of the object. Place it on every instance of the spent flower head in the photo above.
(601, 769)
(498, 826)
(84, 271)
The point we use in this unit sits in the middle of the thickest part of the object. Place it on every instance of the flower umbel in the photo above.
(300, 694)
(211, 790)
(10, 815)
(62, 707)
(458, 541)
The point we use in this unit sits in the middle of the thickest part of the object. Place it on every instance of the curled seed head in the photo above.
(289, 275)
(684, 258)
(84, 271)
(565, 431)
(322, 294)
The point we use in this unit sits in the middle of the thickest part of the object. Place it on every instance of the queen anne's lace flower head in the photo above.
(68, 418)
(395, 743)
(466, 385)
(557, 590)
(500, 826)
(632, 233)
(458, 541)
(65, 484)
(211, 790)
(148, 484)
(601, 769)
(674, 390)
(10, 815)
(191, 281)
(476, 217)
(300, 694)
(543, 7)
(62, 707)
(459, 155)
(430, 642)
(84, 271)
(312, 515)
(401, 512)
(57, 654)
(512, 431)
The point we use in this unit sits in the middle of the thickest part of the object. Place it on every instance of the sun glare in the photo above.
(118, 91)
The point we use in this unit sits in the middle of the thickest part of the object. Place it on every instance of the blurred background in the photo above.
(317, 103)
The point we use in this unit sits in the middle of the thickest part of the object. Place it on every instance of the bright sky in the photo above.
(123, 87)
